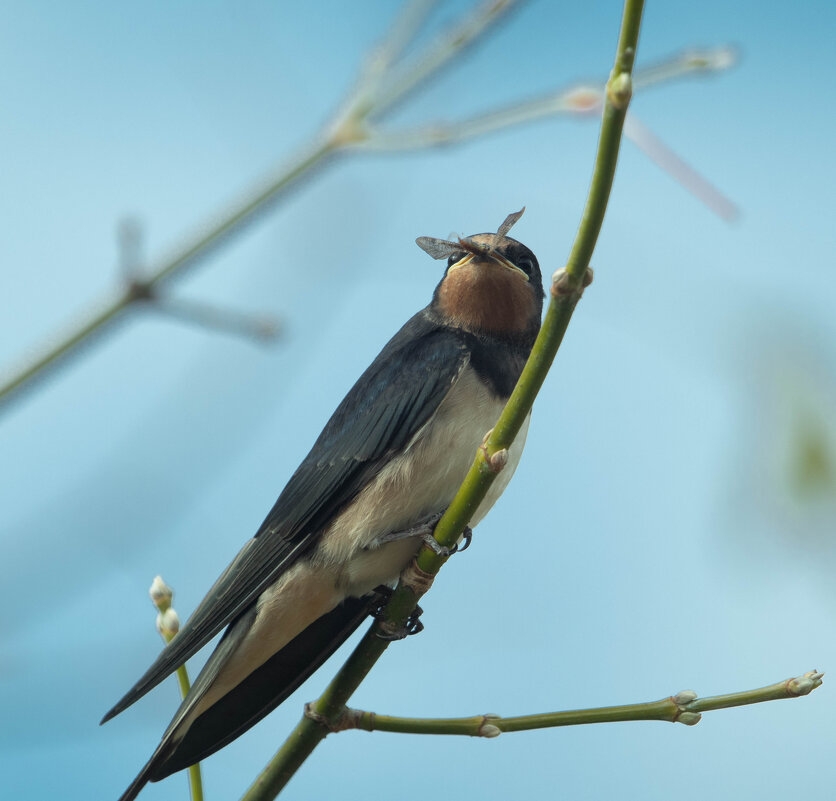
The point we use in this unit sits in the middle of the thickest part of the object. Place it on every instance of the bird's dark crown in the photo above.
(485, 246)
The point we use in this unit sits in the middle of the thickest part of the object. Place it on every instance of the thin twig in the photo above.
(684, 707)
(168, 624)
(567, 287)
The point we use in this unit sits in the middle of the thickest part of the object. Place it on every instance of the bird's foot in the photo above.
(387, 631)
(443, 550)
(425, 530)
(412, 626)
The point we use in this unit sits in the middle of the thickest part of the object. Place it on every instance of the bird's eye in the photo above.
(525, 264)
(454, 258)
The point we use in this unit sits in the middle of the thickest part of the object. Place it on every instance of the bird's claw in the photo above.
(467, 536)
(443, 550)
(436, 547)
(413, 623)
(382, 596)
(388, 632)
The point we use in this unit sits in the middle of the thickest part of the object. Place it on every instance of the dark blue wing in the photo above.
(390, 402)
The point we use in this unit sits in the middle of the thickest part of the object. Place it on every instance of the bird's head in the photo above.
(492, 285)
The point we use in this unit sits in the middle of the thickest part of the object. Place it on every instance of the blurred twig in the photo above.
(580, 101)
(386, 79)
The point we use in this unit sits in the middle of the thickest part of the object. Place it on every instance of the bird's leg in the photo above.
(425, 530)
(412, 626)
(422, 529)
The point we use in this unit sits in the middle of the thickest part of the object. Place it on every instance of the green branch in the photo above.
(566, 289)
(684, 707)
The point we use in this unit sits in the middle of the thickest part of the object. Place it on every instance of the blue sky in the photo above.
(659, 534)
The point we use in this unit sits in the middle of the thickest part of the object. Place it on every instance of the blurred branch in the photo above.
(580, 101)
(685, 175)
(684, 707)
(168, 624)
(382, 82)
(567, 286)
(264, 328)
(448, 46)
(576, 100)
(136, 291)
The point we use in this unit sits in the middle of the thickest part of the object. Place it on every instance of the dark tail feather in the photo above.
(260, 693)
(145, 774)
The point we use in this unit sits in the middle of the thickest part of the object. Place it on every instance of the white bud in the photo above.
(499, 460)
(489, 730)
(620, 90)
(161, 594)
(689, 718)
(685, 697)
(168, 623)
(804, 684)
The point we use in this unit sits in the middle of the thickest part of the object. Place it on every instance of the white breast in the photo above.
(421, 483)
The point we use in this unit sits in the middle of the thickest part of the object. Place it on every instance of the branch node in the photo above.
(496, 461)
(488, 729)
(313, 715)
(351, 129)
(620, 90)
(688, 718)
(684, 697)
(140, 290)
(416, 579)
(803, 685)
(683, 700)
(345, 719)
(564, 285)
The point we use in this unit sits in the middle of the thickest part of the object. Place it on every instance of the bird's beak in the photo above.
(492, 259)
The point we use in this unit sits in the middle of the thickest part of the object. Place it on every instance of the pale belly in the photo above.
(415, 486)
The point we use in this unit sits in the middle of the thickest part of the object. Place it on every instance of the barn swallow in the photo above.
(355, 512)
